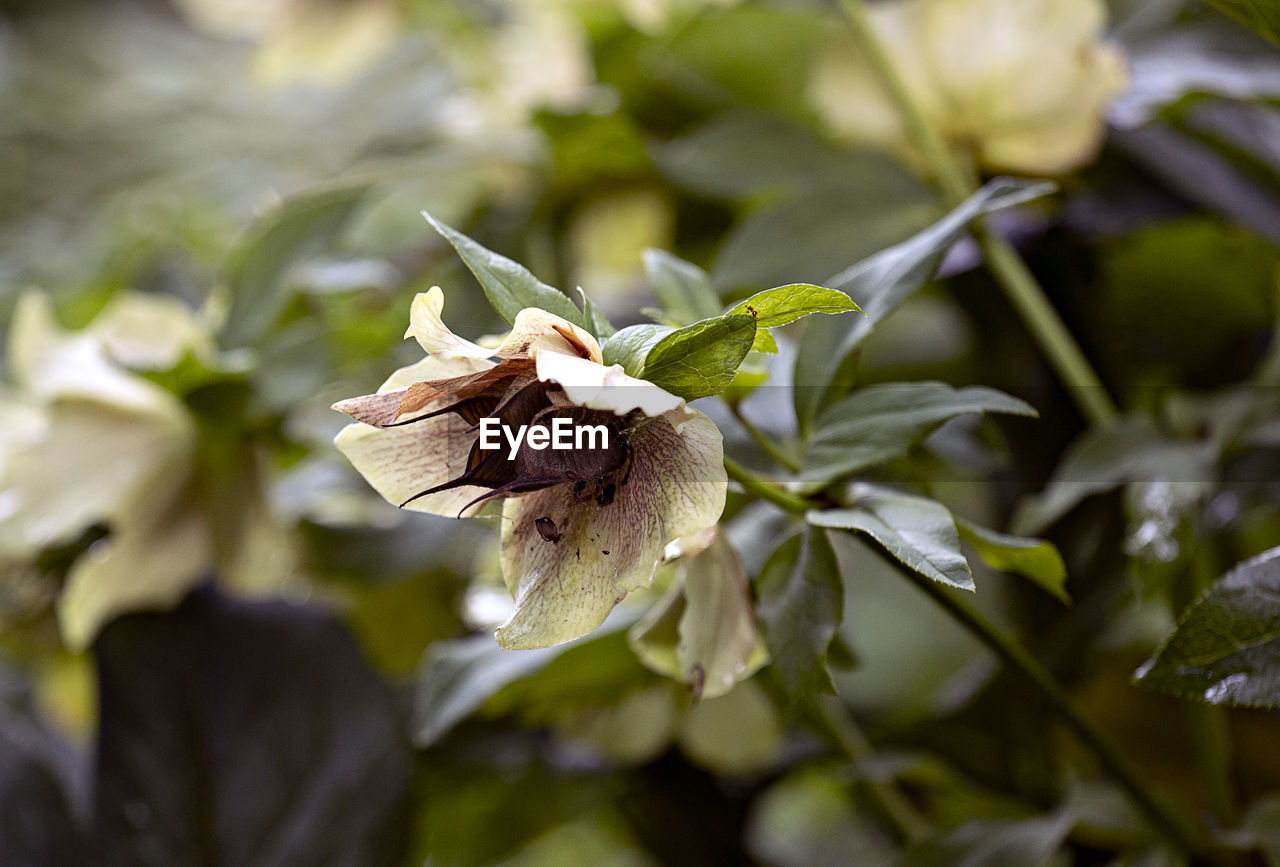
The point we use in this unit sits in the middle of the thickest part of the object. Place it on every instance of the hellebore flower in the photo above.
(1022, 83)
(581, 527)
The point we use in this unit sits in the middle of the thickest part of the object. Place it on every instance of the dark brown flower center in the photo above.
(597, 465)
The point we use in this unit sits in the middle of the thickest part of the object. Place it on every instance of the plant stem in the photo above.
(901, 813)
(765, 490)
(1046, 326)
(771, 448)
(1169, 821)
(1008, 269)
(1166, 819)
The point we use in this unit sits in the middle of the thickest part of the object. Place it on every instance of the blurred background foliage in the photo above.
(210, 231)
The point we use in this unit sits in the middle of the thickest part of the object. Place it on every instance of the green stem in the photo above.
(771, 448)
(1178, 827)
(888, 798)
(765, 490)
(1166, 819)
(1046, 326)
(1008, 269)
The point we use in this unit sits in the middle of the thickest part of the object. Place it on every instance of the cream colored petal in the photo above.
(428, 328)
(85, 467)
(593, 385)
(21, 425)
(565, 589)
(48, 363)
(688, 546)
(849, 94)
(1047, 150)
(148, 565)
(400, 462)
(150, 332)
(325, 43)
(720, 639)
(532, 331)
(535, 330)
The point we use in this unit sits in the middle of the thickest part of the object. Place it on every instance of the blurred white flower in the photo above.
(1022, 84)
(93, 443)
(316, 41)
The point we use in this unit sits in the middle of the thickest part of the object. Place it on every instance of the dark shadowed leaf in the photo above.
(809, 819)
(701, 359)
(597, 321)
(256, 270)
(800, 604)
(995, 843)
(458, 676)
(1226, 649)
(36, 823)
(917, 531)
(245, 733)
(880, 422)
(682, 287)
(741, 156)
(1101, 460)
(507, 284)
(1260, 16)
(1035, 559)
(880, 283)
(783, 304)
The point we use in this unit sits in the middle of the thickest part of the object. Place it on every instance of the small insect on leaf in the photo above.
(547, 529)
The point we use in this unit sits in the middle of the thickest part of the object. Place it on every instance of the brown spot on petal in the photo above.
(547, 529)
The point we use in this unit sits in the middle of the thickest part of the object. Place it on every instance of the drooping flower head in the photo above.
(581, 526)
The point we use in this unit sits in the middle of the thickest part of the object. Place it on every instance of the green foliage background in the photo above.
(331, 692)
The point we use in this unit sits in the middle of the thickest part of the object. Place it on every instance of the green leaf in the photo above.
(764, 342)
(1035, 842)
(800, 603)
(1034, 559)
(683, 289)
(781, 41)
(880, 422)
(458, 676)
(507, 284)
(784, 304)
(1226, 649)
(629, 346)
(1129, 450)
(597, 322)
(880, 283)
(917, 531)
(1260, 16)
(257, 268)
(700, 359)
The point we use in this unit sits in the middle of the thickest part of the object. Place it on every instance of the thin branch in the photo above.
(771, 448)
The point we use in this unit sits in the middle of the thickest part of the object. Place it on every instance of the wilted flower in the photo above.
(1022, 84)
(582, 526)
